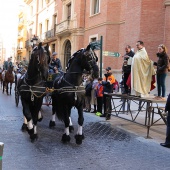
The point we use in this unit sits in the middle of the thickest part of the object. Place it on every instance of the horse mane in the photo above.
(46, 48)
(73, 57)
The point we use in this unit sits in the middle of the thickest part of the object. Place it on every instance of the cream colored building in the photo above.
(22, 35)
(56, 23)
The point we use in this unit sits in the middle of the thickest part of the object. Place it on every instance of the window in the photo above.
(69, 11)
(53, 48)
(54, 20)
(41, 3)
(31, 10)
(40, 29)
(93, 39)
(47, 25)
(95, 6)
(30, 33)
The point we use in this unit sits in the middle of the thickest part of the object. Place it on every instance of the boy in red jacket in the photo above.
(99, 95)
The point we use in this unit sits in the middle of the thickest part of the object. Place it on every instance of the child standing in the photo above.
(99, 94)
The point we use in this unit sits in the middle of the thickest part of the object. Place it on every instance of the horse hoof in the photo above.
(24, 127)
(33, 137)
(79, 139)
(51, 124)
(65, 138)
(71, 129)
(40, 119)
(30, 131)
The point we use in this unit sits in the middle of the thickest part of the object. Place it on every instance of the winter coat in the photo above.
(167, 107)
(108, 82)
(55, 63)
(88, 89)
(162, 63)
(99, 90)
(127, 68)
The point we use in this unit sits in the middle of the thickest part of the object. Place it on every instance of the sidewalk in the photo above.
(157, 133)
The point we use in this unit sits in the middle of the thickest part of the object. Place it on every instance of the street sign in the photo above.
(95, 45)
(111, 54)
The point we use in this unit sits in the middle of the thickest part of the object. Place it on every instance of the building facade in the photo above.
(22, 35)
(68, 25)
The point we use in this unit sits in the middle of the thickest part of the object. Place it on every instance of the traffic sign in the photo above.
(111, 54)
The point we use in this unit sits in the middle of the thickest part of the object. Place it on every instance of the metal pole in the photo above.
(101, 54)
(1, 153)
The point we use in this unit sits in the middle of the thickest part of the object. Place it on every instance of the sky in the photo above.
(9, 10)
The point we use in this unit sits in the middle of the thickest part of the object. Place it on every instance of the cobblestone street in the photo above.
(105, 147)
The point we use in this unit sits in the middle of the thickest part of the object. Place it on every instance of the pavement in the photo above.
(108, 145)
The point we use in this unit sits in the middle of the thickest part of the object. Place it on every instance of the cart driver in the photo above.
(55, 64)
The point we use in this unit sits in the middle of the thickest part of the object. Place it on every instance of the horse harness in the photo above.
(39, 91)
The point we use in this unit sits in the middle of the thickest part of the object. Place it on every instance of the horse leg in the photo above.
(79, 136)
(7, 88)
(71, 127)
(40, 116)
(24, 125)
(52, 121)
(66, 135)
(27, 114)
(10, 88)
(3, 86)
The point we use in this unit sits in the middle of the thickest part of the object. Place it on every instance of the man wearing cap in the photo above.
(7, 64)
(55, 64)
(24, 62)
(108, 82)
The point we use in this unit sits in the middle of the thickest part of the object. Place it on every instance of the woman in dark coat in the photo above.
(162, 69)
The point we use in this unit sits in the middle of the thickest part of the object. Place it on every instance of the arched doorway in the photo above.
(67, 53)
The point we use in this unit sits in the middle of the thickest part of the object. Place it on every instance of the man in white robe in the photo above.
(141, 71)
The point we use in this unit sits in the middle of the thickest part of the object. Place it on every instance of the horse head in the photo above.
(84, 59)
(10, 69)
(39, 62)
(92, 59)
(48, 52)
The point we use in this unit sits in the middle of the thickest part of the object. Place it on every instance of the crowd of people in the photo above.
(95, 89)
(140, 75)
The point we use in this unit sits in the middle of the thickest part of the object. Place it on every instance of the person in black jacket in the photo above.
(127, 67)
(167, 140)
(88, 89)
(162, 69)
(55, 64)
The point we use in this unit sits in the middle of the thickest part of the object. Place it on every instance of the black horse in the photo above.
(69, 92)
(32, 88)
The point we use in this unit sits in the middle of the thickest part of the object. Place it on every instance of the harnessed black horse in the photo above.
(69, 92)
(32, 88)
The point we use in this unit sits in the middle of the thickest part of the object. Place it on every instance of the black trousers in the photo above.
(99, 104)
(107, 104)
(167, 141)
(126, 75)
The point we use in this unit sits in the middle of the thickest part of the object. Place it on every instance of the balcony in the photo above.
(47, 35)
(19, 50)
(50, 34)
(65, 27)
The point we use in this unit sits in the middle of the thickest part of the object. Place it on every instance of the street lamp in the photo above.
(34, 41)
